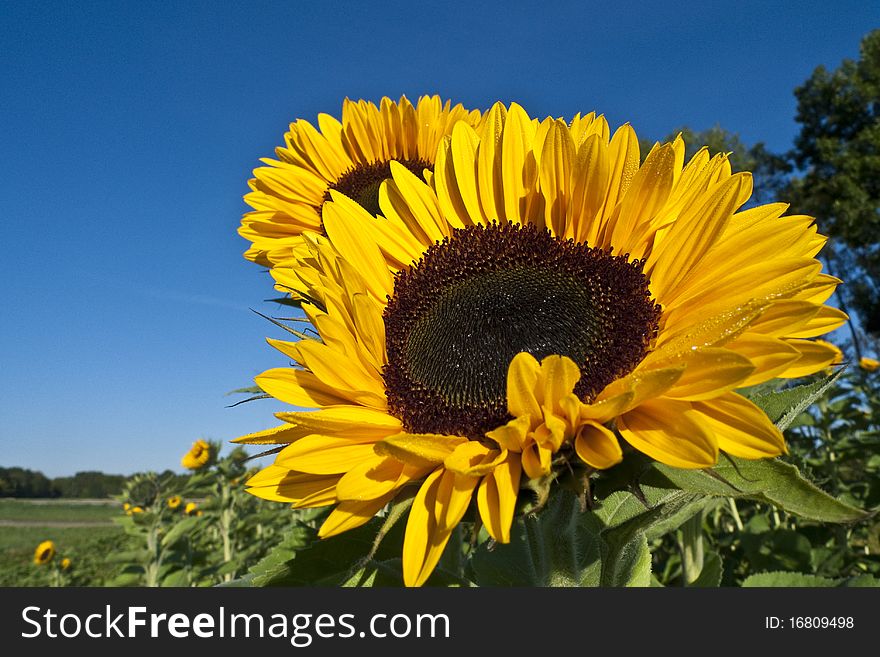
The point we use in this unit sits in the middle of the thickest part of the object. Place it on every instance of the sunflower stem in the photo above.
(735, 513)
(394, 514)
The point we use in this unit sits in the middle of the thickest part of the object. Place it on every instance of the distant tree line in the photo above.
(20, 482)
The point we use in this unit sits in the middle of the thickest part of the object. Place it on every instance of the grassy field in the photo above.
(58, 510)
(86, 546)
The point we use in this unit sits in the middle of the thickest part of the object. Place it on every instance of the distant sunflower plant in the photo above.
(544, 324)
(200, 455)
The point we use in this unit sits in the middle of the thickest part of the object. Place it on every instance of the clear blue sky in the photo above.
(129, 131)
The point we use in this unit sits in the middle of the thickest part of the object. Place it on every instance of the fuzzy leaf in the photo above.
(784, 406)
(781, 578)
(766, 480)
(559, 546)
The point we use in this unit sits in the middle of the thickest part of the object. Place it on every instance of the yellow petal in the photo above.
(610, 407)
(370, 480)
(463, 150)
(770, 356)
(496, 498)
(824, 321)
(557, 377)
(708, 331)
(275, 436)
(348, 515)
(518, 166)
(590, 173)
(666, 431)
(299, 388)
(348, 421)
(341, 218)
(710, 372)
(489, 163)
(642, 384)
(536, 461)
(692, 235)
(815, 357)
(474, 459)
(512, 435)
(646, 195)
(554, 170)
(597, 446)
(741, 428)
(325, 454)
(453, 496)
(419, 449)
(783, 317)
(623, 157)
(766, 280)
(422, 539)
(522, 379)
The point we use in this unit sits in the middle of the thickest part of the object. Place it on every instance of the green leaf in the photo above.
(180, 529)
(128, 556)
(713, 570)
(777, 549)
(626, 559)
(766, 480)
(783, 407)
(176, 578)
(862, 581)
(126, 579)
(781, 578)
(274, 565)
(302, 559)
(244, 581)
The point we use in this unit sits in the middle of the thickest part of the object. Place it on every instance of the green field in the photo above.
(86, 546)
(57, 510)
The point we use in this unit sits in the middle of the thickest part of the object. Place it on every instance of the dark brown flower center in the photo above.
(361, 182)
(472, 302)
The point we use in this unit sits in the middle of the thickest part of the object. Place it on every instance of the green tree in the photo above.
(837, 153)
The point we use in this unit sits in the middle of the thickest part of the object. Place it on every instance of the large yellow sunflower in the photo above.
(351, 157)
(540, 299)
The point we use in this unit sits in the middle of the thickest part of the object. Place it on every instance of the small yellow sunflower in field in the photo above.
(134, 510)
(44, 553)
(174, 501)
(198, 456)
(192, 509)
(869, 364)
(65, 563)
(351, 157)
(541, 300)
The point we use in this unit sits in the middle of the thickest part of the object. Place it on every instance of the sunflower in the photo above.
(192, 509)
(869, 364)
(542, 300)
(44, 553)
(198, 456)
(66, 563)
(174, 501)
(351, 157)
